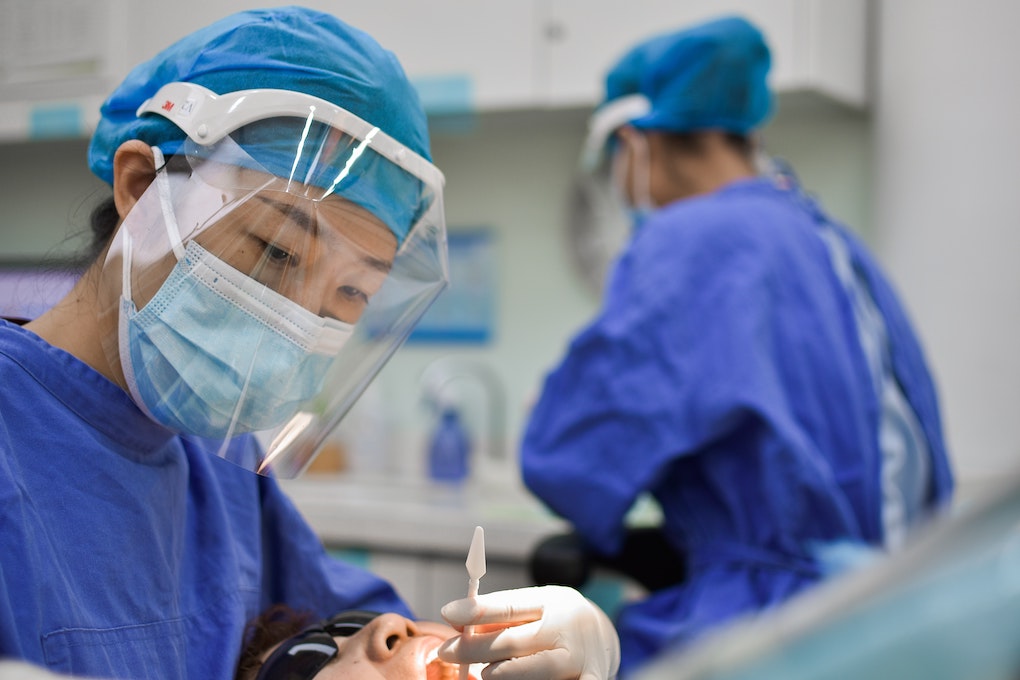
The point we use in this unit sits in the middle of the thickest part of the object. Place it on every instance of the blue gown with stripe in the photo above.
(753, 370)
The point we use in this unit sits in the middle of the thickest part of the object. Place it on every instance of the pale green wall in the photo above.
(507, 171)
(47, 193)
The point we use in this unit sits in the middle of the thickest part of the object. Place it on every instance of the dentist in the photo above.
(275, 227)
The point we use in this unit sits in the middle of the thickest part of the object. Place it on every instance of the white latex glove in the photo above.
(547, 633)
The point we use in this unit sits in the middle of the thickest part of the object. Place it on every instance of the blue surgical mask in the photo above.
(216, 353)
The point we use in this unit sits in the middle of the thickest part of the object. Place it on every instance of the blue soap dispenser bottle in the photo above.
(449, 447)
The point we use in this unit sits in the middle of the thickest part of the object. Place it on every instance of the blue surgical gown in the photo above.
(128, 552)
(726, 376)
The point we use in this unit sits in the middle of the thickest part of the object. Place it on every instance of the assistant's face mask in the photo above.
(216, 353)
(632, 179)
(279, 258)
(605, 163)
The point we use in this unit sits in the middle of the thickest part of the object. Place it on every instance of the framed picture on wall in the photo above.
(465, 313)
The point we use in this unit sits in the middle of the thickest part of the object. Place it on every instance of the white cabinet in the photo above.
(834, 50)
(57, 60)
(463, 55)
(459, 52)
(62, 57)
(816, 45)
(522, 54)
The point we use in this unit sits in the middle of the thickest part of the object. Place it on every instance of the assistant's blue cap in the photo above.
(284, 48)
(711, 76)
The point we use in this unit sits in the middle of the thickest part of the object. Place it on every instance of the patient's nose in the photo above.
(386, 633)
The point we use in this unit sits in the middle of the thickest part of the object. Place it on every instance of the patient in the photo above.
(550, 632)
(283, 644)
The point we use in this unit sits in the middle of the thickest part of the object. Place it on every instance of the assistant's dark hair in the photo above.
(272, 626)
(693, 143)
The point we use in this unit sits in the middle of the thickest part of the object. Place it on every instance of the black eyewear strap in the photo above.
(302, 656)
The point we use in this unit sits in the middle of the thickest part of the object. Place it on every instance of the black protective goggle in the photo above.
(302, 656)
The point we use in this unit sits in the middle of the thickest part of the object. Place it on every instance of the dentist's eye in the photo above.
(353, 293)
(278, 255)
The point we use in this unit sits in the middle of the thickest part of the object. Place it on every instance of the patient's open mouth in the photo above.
(437, 669)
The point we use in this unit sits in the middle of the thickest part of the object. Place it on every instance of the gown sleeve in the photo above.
(300, 572)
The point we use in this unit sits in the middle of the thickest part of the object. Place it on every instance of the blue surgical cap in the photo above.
(711, 76)
(284, 48)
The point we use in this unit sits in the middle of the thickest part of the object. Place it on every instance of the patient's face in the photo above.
(389, 646)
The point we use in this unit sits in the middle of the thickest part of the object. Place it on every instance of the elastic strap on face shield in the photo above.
(169, 221)
(162, 180)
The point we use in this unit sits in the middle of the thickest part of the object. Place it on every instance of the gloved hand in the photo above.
(538, 633)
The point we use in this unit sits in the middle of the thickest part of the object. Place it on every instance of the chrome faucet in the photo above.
(437, 376)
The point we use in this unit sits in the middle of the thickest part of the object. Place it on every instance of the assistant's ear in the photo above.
(633, 144)
(626, 134)
(134, 168)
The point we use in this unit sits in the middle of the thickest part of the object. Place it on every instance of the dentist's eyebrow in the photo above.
(306, 222)
(297, 215)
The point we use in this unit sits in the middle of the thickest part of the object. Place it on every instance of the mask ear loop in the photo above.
(642, 175)
(125, 270)
(173, 235)
(640, 184)
(618, 174)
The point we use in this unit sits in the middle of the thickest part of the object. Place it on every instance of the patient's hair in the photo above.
(272, 626)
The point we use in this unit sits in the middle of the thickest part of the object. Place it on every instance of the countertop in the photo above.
(422, 517)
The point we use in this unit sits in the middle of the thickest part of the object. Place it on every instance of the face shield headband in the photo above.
(306, 141)
(598, 202)
(604, 123)
(264, 278)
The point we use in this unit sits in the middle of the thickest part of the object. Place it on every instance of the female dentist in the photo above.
(275, 229)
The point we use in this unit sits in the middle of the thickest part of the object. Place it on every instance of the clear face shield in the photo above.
(275, 264)
(603, 170)
(600, 218)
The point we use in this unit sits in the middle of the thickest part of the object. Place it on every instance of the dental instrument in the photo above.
(475, 564)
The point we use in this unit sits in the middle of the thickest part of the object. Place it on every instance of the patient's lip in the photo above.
(437, 669)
